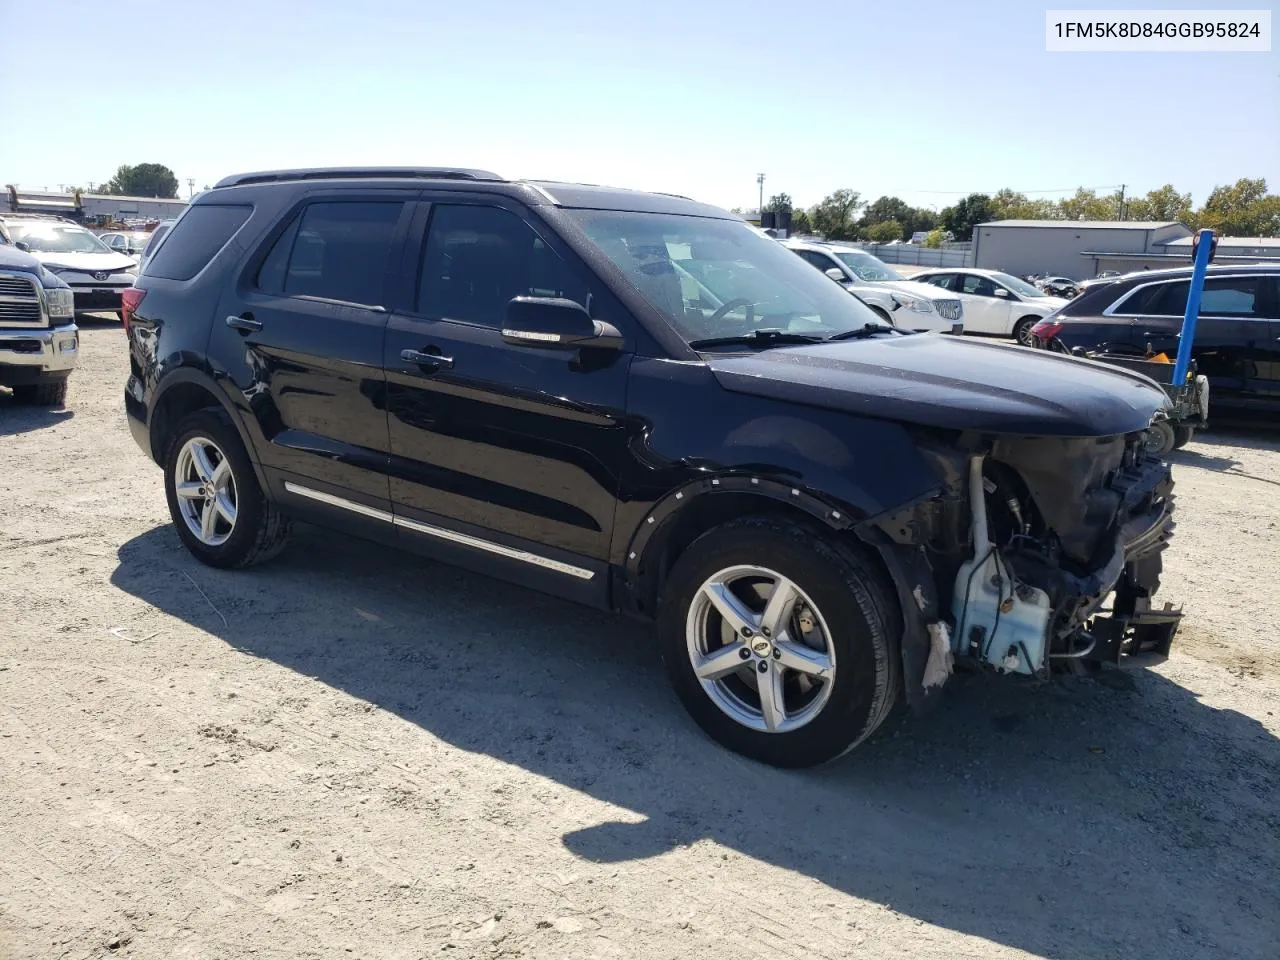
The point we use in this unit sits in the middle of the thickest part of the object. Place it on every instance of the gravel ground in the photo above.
(352, 752)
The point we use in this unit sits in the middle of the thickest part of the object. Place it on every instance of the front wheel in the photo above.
(1022, 331)
(45, 393)
(1182, 436)
(779, 642)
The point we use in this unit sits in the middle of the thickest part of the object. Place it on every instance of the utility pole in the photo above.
(760, 181)
(1122, 216)
(191, 186)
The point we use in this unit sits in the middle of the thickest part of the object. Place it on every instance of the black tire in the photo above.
(261, 531)
(46, 393)
(1160, 438)
(855, 603)
(1022, 331)
(1182, 436)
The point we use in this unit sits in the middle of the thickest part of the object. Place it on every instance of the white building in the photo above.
(90, 206)
(1078, 249)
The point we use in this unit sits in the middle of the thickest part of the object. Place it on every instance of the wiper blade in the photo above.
(864, 331)
(757, 338)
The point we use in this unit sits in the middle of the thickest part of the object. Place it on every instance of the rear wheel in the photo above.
(778, 642)
(46, 393)
(1160, 438)
(1022, 330)
(219, 510)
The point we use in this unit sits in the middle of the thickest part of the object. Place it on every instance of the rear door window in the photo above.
(334, 250)
(197, 237)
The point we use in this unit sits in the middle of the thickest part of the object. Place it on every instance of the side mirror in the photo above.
(557, 323)
(1002, 292)
(23, 246)
(836, 274)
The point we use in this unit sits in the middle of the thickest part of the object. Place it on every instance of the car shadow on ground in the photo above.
(16, 418)
(1235, 435)
(1083, 819)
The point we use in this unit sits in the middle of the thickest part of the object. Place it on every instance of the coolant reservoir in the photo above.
(999, 621)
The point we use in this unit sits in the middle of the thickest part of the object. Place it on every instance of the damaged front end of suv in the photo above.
(1012, 563)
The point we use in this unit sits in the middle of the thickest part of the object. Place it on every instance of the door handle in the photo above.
(245, 323)
(431, 361)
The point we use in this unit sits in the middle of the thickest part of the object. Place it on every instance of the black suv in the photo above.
(640, 403)
(1237, 342)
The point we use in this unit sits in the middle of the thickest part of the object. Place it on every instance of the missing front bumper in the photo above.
(1139, 639)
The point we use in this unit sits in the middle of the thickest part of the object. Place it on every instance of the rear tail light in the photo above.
(130, 299)
(1046, 330)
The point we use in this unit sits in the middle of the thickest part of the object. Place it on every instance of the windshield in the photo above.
(868, 267)
(720, 278)
(1020, 287)
(57, 238)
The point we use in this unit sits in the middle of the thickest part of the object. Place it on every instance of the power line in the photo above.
(1105, 186)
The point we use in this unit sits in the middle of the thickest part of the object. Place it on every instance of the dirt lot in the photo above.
(357, 753)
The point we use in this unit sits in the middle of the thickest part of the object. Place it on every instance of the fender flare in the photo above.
(657, 520)
(194, 375)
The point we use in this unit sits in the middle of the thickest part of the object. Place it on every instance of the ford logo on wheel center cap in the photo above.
(761, 646)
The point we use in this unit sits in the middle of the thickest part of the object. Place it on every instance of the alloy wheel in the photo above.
(206, 490)
(760, 649)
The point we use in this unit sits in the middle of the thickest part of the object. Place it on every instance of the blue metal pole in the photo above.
(1189, 319)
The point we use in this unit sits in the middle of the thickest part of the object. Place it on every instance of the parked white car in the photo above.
(131, 242)
(904, 303)
(95, 273)
(995, 302)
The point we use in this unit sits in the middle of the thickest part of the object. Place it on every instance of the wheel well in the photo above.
(710, 511)
(174, 405)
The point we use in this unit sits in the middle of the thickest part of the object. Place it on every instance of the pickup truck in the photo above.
(39, 341)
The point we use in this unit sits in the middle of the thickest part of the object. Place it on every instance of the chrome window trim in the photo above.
(1114, 309)
(441, 533)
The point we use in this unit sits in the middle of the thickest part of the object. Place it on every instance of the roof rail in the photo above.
(344, 173)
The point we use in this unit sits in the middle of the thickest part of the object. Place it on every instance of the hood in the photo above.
(86, 262)
(1042, 305)
(11, 258)
(915, 288)
(951, 382)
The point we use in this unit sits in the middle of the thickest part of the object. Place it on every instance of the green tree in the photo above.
(1087, 205)
(885, 209)
(1008, 204)
(920, 219)
(883, 232)
(780, 203)
(964, 216)
(1244, 209)
(143, 180)
(1163, 203)
(835, 216)
(937, 236)
(800, 222)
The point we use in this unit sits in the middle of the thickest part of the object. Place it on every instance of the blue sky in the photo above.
(693, 97)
